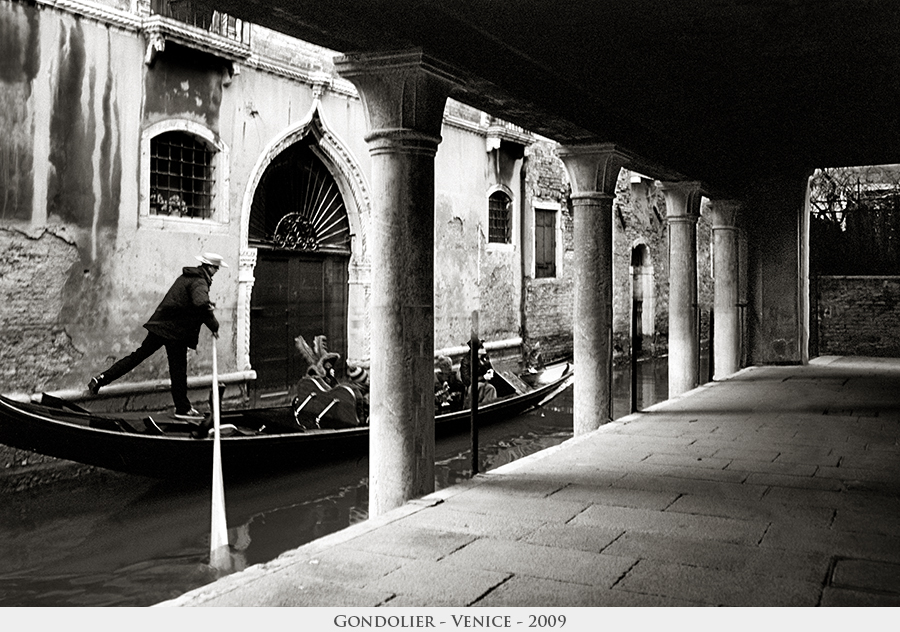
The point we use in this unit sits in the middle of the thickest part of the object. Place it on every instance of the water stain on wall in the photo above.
(70, 195)
(19, 64)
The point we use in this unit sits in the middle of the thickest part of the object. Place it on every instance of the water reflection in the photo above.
(120, 540)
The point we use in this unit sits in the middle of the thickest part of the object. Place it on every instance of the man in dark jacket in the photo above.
(175, 325)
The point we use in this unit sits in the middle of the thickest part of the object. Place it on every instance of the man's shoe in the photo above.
(94, 385)
(190, 415)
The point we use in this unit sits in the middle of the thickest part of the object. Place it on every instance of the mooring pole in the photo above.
(712, 344)
(473, 390)
(634, 354)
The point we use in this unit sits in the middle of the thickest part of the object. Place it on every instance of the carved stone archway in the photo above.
(349, 177)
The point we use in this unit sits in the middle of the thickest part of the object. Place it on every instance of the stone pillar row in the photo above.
(404, 95)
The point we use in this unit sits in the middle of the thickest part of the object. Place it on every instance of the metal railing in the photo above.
(204, 16)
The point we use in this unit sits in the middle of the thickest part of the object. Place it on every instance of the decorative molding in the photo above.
(246, 279)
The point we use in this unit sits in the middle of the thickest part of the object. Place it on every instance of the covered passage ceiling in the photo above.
(721, 91)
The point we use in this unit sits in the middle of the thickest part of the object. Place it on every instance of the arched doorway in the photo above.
(299, 227)
(643, 296)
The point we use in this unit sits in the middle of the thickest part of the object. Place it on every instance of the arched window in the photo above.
(182, 176)
(499, 218)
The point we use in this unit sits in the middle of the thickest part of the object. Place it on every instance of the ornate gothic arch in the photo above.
(352, 184)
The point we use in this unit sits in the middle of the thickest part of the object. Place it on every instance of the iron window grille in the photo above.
(181, 176)
(499, 218)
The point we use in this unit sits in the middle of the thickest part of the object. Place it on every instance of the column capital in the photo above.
(594, 168)
(400, 90)
(725, 214)
(682, 201)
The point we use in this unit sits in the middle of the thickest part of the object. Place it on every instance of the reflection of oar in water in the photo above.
(219, 555)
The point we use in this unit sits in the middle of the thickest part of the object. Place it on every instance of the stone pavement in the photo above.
(777, 487)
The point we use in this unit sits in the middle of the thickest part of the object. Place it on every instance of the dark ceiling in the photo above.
(722, 91)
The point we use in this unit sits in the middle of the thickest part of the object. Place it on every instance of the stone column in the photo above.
(726, 304)
(404, 96)
(593, 170)
(682, 212)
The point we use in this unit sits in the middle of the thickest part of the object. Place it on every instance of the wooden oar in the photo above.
(219, 554)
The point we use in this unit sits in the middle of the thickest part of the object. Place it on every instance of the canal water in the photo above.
(111, 539)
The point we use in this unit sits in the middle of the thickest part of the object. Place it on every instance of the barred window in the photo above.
(181, 176)
(499, 218)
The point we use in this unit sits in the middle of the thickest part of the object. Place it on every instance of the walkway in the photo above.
(779, 486)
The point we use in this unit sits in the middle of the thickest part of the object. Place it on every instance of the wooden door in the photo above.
(294, 294)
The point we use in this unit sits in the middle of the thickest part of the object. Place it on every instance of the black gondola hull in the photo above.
(69, 435)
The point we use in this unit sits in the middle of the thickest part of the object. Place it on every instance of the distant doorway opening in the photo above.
(643, 298)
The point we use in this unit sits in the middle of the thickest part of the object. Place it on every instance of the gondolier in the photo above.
(175, 325)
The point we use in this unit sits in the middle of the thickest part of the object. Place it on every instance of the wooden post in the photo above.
(712, 344)
(473, 389)
(634, 354)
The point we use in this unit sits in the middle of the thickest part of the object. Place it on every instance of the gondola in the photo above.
(254, 441)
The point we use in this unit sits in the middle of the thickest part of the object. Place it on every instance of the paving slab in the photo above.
(439, 582)
(800, 565)
(533, 560)
(716, 587)
(778, 486)
(616, 497)
(575, 537)
(674, 524)
(532, 591)
(867, 575)
(742, 509)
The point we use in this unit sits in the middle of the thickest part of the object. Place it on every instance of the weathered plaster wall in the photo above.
(76, 96)
(859, 315)
(63, 174)
(470, 273)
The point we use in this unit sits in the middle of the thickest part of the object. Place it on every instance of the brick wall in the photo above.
(859, 315)
(36, 349)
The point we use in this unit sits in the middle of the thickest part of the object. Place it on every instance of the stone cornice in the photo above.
(157, 27)
(355, 64)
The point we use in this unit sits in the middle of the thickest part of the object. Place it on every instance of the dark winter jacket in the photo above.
(185, 308)
(465, 370)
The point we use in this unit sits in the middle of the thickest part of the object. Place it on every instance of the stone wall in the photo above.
(549, 303)
(639, 219)
(859, 315)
